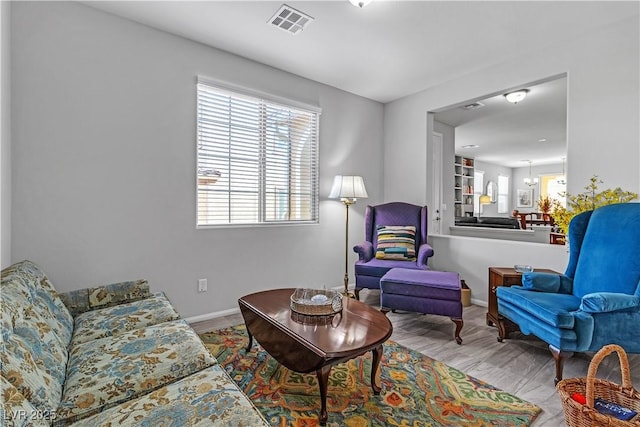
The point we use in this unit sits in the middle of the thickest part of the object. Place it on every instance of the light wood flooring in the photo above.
(521, 365)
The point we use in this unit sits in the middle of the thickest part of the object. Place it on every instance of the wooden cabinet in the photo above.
(503, 276)
(463, 186)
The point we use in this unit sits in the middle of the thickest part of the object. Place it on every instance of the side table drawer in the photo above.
(511, 280)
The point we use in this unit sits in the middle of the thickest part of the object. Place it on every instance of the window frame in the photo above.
(503, 196)
(546, 184)
(266, 101)
(478, 175)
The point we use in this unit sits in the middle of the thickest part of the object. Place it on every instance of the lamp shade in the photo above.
(348, 187)
(484, 199)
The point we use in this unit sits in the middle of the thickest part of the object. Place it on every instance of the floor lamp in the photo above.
(483, 200)
(348, 189)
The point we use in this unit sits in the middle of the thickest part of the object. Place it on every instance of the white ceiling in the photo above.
(389, 49)
(534, 129)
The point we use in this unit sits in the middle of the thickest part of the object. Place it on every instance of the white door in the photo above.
(435, 210)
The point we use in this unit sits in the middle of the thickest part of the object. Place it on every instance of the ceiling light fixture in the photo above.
(360, 3)
(471, 146)
(530, 181)
(516, 96)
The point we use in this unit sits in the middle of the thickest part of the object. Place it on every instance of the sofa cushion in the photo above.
(379, 267)
(17, 411)
(110, 321)
(396, 242)
(82, 300)
(499, 222)
(25, 285)
(108, 371)
(541, 282)
(466, 220)
(35, 372)
(33, 359)
(551, 308)
(439, 285)
(612, 237)
(208, 397)
(531, 324)
(488, 222)
(604, 302)
(117, 293)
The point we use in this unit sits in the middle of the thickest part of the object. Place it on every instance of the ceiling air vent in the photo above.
(290, 20)
(473, 106)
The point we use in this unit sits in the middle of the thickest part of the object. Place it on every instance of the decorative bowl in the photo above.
(520, 268)
(316, 302)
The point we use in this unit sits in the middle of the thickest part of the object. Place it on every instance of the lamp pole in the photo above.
(347, 203)
(347, 188)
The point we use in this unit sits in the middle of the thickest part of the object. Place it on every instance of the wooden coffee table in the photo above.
(314, 343)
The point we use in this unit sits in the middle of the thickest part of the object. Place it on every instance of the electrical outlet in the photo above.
(202, 285)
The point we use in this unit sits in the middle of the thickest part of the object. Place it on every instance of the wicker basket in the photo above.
(578, 415)
(302, 301)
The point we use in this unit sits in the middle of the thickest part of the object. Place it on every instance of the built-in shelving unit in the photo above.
(463, 187)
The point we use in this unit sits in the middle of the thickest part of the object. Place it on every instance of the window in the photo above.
(554, 186)
(478, 185)
(503, 194)
(257, 158)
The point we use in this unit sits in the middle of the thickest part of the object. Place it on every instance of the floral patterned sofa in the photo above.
(112, 355)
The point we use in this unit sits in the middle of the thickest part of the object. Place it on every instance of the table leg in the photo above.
(459, 323)
(248, 348)
(375, 363)
(323, 379)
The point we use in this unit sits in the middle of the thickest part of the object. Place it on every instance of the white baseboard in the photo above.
(479, 302)
(212, 315)
(229, 312)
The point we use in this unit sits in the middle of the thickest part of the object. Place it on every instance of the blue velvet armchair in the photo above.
(368, 268)
(596, 301)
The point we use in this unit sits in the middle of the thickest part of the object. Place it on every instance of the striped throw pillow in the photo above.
(396, 242)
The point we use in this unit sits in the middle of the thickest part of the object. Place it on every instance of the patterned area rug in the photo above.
(416, 390)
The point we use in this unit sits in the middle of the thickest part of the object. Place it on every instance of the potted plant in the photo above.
(545, 205)
(586, 201)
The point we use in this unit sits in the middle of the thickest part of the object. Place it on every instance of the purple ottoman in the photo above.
(423, 291)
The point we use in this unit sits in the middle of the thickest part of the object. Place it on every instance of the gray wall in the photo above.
(516, 182)
(519, 174)
(5, 135)
(448, 172)
(104, 162)
(491, 173)
(603, 131)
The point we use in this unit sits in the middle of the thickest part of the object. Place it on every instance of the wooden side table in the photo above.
(503, 276)
(557, 238)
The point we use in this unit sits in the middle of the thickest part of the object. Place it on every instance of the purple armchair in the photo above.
(368, 268)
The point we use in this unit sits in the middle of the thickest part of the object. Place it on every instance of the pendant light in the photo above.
(562, 180)
(530, 181)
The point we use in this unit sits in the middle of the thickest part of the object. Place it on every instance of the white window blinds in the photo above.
(257, 160)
